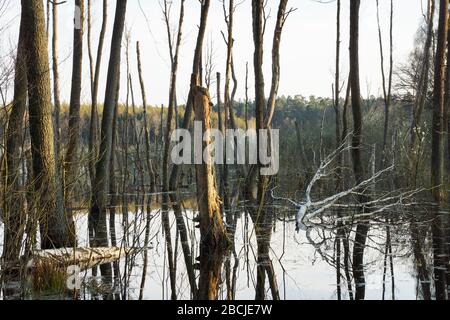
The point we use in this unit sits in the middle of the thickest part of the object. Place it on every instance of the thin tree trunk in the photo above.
(165, 214)
(423, 85)
(71, 160)
(419, 102)
(387, 87)
(440, 248)
(338, 143)
(172, 99)
(264, 114)
(14, 213)
(446, 125)
(95, 77)
(114, 201)
(246, 96)
(175, 174)
(174, 55)
(362, 228)
(99, 196)
(228, 119)
(56, 89)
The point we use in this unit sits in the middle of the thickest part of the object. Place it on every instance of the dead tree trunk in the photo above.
(15, 214)
(362, 228)
(95, 77)
(174, 176)
(387, 96)
(97, 214)
(56, 89)
(57, 104)
(227, 110)
(174, 55)
(447, 162)
(339, 187)
(71, 160)
(423, 85)
(213, 237)
(257, 184)
(440, 248)
(419, 102)
(94, 123)
(386, 82)
(165, 215)
(172, 96)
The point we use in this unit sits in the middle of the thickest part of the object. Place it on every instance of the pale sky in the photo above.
(307, 52)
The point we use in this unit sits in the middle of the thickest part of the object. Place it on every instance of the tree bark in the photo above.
(15, 214)
(165, 213)
(264, 113)
(56, 89)
(440, 248)
(174, 176)
(71, 160)
(339, 187)
(386, 83)
(97, 213)
(213, 237)
(53, 222)
(423, 85)
(419, 102)
(174, 55)
(95, 77)
(362, 228)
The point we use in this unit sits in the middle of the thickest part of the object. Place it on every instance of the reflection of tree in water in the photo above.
(333, 219)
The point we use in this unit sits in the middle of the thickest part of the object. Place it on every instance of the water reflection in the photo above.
(305, 265)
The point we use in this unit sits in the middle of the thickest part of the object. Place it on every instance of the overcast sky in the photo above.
(307, 51)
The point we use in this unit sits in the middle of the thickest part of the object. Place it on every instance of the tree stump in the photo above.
(213, 237)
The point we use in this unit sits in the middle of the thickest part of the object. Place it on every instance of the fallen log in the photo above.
(85, 258)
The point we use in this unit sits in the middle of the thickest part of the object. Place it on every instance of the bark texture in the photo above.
(54, 224)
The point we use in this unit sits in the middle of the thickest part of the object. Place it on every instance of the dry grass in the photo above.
(49, 279)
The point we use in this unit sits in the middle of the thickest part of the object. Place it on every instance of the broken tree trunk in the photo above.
(213, 236)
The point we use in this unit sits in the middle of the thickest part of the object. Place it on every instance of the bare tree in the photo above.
(387, 96)
(229, 18)
(165, 218)
(56, 86)
(387, 83)
(440, 196)
(213, 237)
(362, 227)
(423, 83)
(15, 214)
(71, 159)
(341, 238)
(175, 174)
(174, 55)
(419, 103)
(95, 77)
(97, 213)
(256, 189)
